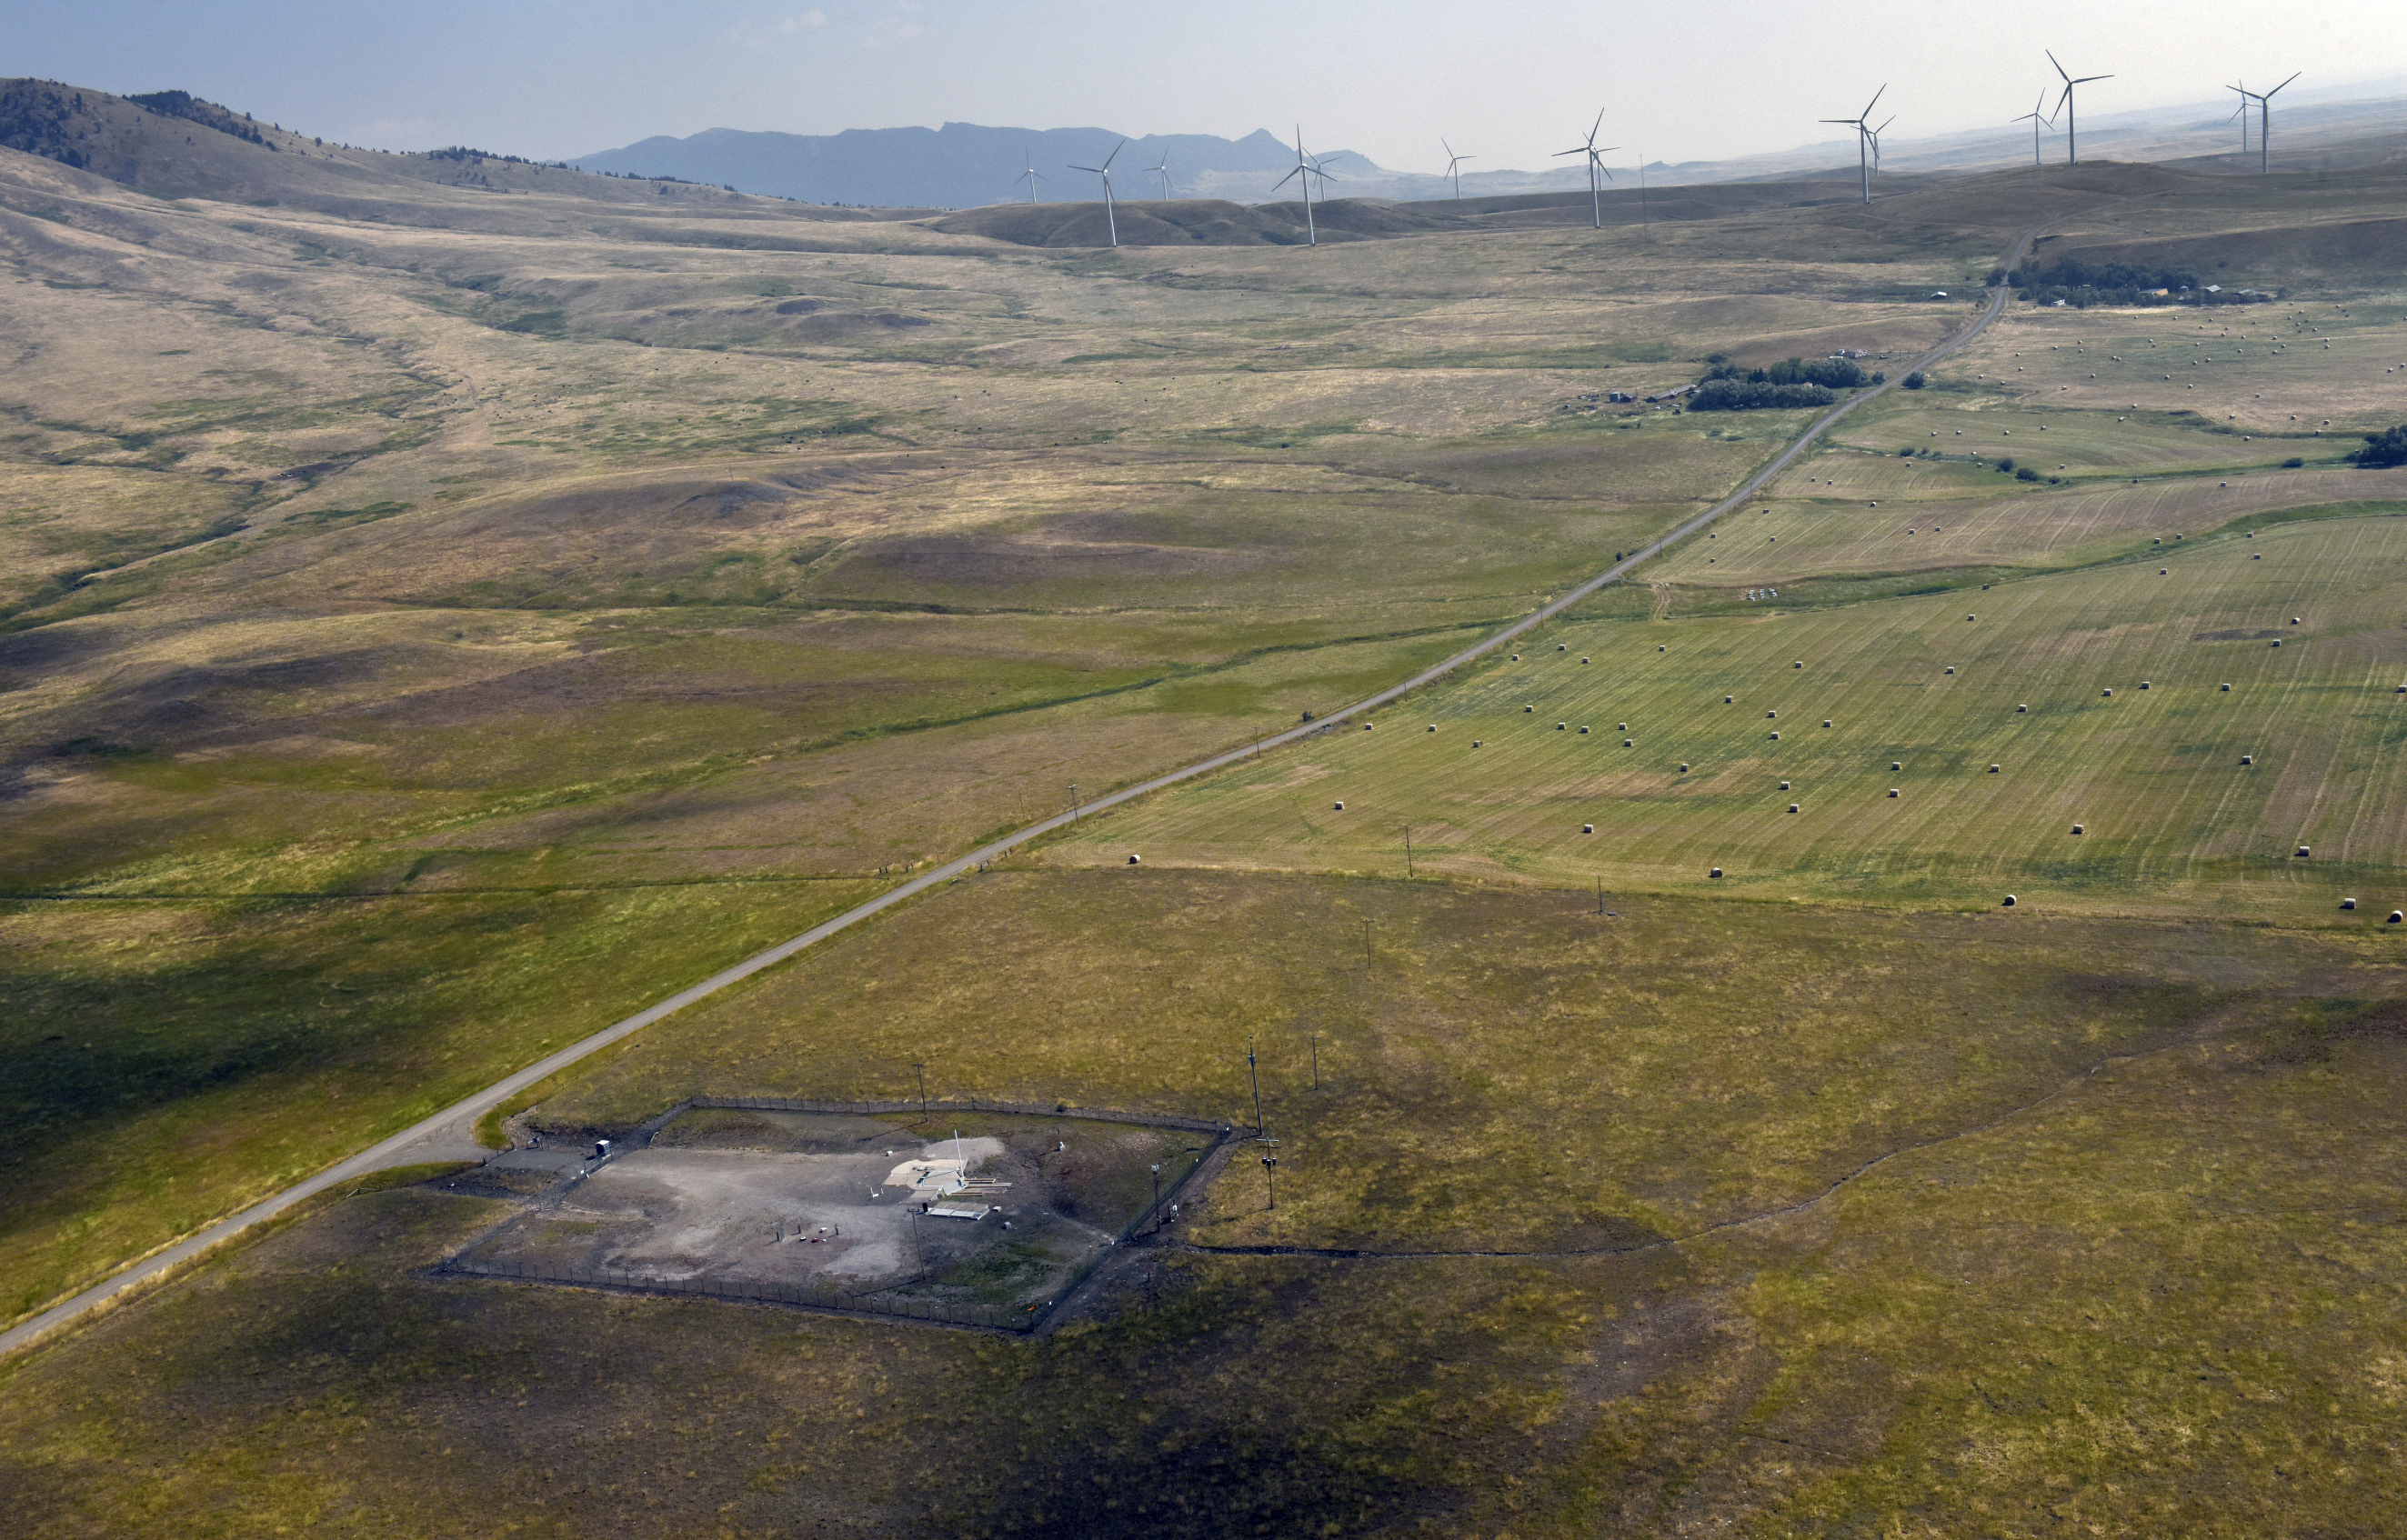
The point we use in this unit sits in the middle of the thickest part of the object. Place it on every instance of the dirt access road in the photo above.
(450, 1135)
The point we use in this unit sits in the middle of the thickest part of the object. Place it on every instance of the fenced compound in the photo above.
(884, 1299)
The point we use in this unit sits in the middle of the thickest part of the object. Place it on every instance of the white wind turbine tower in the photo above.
(1032, 177)
(1875, 134)
(1595, 164)
(1863, 142)
(2265, 125)
(1111, 217)
(2071, 139)
(1452, 161)
(2242, 113)
(1306, 168)
(2038, 117)
(1163, 171)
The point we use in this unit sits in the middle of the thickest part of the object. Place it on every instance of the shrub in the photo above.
(2026, 474)
(1914, 381)
(2005, 462)
(2292, 463)
(2388, 448)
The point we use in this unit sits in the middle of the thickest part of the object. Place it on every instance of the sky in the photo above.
(1508, 81)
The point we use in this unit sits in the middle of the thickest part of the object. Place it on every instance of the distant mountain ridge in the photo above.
(959, 165)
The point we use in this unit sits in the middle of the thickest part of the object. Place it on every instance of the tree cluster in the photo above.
(1830, 373)
(2080, 284)
(2388, 448)
(1737, 395)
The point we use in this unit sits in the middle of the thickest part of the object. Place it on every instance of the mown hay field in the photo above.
(2152, 772)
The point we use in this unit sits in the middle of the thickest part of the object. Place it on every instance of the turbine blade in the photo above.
(1115, 154)
(1594, 126)
(2053, 60)
(2087, 78)
(2286, 82)
(1877, 96)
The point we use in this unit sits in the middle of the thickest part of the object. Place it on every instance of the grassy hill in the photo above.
(448, 604)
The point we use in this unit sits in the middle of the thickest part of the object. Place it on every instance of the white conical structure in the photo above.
(1864, 141)
(2265, 125)
(1162, 170)
(1032, 177)
(1111, 216)
(1595, 164)
(1306, 168)
(2071, 138)
(2037, 117)
(1453, 160)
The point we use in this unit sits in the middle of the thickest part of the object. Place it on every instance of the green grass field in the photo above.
(1593, 727)
(434, 626)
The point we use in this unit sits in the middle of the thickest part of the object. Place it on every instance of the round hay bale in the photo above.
(1728, 700)
(2076, 828)
(2108, 692)
(1792, 807)
(2164, 572)
(2277, 641)
(1517, 657)
(1132, 860)
(1341, 807)
(1951, 668)
(1683, 767)
(1800, 663)
(1826, 721)
(1562, 726)
(1529, 708)
(2247, 758)
(2294, 620)
(2304, 852)
(1583, 732)
(2009, 902)
(2348, 903)
(1897, 764)
(2022, 708)
(1432, 727)
(2144, 684)
(1771, 714)
(1776, 738)
(1587, 828)
(1658, 648)
(1629, 743)
(1784, 786)
(1562, 648)
(1474, 742)
(1621, 727)
(1582, 659)
(1715, 872)
(2395, 917)
(2227, 689)
(1892, 791)
(1993, 770)
(1972, 617)
(1366, 726)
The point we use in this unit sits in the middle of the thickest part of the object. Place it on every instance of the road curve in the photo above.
(451, 1133)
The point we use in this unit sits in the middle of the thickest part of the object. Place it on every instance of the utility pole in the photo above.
(1270, 1178)
(921, 1069)
(1315, 1061)
(1600, 895)
(1256, 1076)
(1157, 1186)
(1366, 945)
(1073, 801)
(1408, 849)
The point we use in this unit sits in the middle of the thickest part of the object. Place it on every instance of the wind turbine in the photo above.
(2241, 112)
(1306, 168)
(1452, 161)
(1111, 218)
(2072, 140)
(2038, 117)
(1595, 164)
(1163, 171)
(2265, 126)
(1863, 140)
(1875, 134)
(1032, 177)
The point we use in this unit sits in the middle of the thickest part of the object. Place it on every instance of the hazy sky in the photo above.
(1508, 81)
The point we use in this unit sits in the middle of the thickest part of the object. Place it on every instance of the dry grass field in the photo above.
(447, 605)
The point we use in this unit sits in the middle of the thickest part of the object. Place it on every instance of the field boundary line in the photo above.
(453, 1128)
